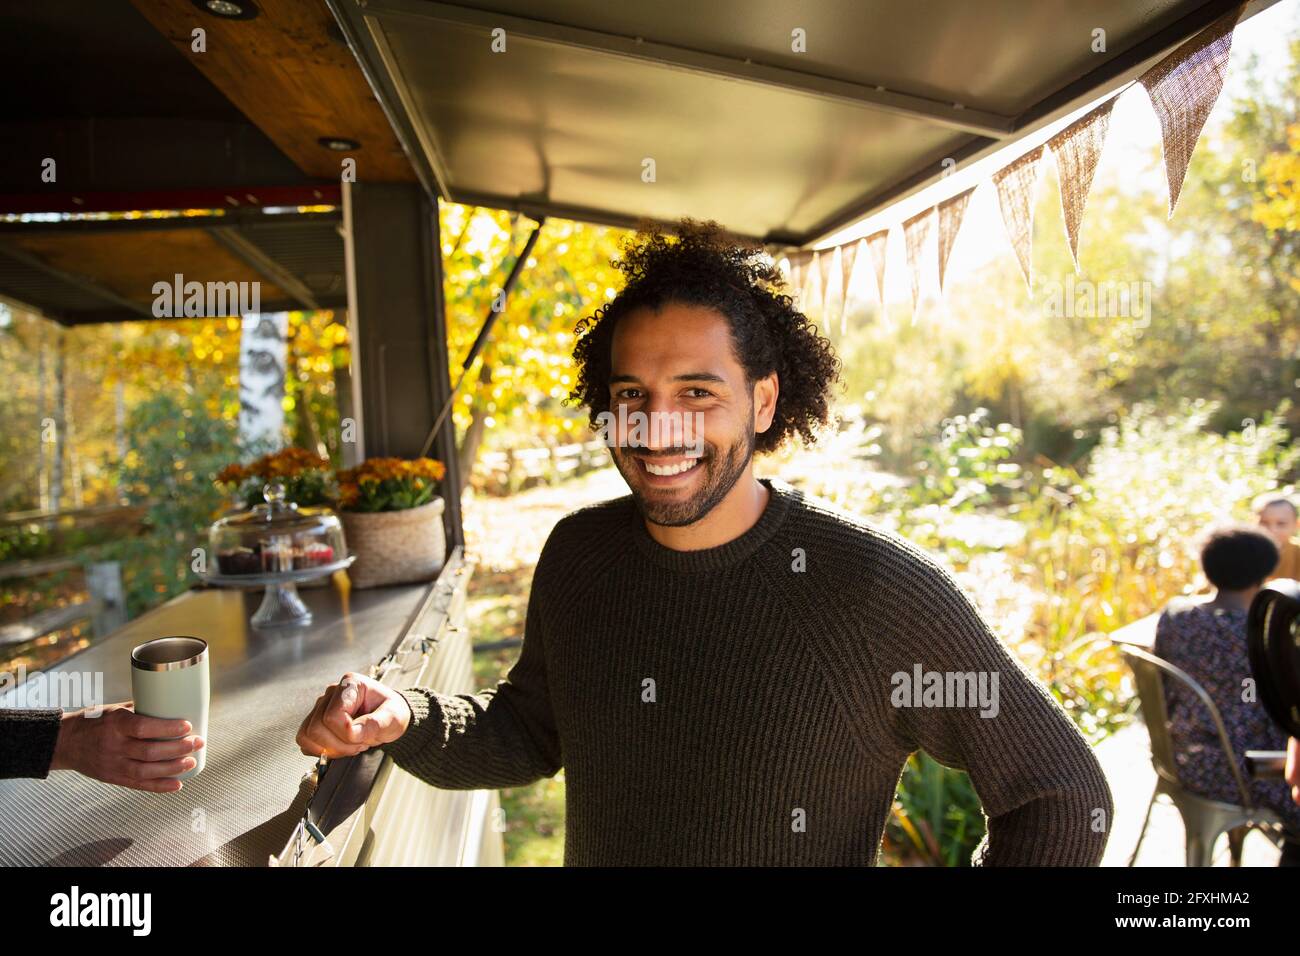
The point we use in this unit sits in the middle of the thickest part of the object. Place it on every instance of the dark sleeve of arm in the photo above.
(504, 736)
(1047, 801)
(27, 741)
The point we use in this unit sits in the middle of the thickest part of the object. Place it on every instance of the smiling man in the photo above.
(685, 477)
(730, 672)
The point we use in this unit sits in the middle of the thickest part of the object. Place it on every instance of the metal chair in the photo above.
(1203, 819)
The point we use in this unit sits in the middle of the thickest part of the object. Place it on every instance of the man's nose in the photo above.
(662, 431)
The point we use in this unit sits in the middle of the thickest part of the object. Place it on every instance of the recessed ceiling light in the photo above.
(339, 144)
(228, 9)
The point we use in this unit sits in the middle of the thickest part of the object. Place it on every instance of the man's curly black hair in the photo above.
(705, 265)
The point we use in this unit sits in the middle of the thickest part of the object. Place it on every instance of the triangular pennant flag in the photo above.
(878, 243)
(951, 212)
(799, 260)
(816, 299)
(1077, 149)
(915, 232)
(1183, 88)
(1016, 184)
(848, 256)
(827, 264)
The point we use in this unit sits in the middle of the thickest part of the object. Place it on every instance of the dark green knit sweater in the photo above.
(722, 707)
(27, 741)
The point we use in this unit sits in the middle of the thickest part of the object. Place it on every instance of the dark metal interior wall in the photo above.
(118, 107)
(444, 443)
(400, 330)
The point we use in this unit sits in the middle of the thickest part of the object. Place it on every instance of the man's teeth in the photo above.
(671, 469)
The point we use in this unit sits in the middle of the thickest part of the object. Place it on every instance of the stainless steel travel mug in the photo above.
(169, 679)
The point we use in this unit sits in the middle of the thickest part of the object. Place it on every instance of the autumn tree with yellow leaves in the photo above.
(512, 396)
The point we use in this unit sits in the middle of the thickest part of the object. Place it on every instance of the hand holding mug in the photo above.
(121, 747)
(352, 716)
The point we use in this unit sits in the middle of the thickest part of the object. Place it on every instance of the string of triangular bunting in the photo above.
(1183, 89)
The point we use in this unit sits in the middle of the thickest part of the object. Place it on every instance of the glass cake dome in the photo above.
(276, 537)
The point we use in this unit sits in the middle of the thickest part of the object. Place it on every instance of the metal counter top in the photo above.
(247, 801)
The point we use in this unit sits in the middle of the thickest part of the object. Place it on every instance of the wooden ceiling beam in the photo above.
(130, 264)
(268, 268)
(291, 73)
(84, 283)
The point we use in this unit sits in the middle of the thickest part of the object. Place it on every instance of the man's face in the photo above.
(1279, 521)
(677, 367)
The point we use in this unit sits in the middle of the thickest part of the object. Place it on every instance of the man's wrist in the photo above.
(64, 744)
(419, 704)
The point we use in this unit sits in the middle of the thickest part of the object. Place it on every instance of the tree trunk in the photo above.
(473, 439)
(42, 472)
(60, 424)
(119, 413)
(307, 422)
(74, 460)
(262, 357)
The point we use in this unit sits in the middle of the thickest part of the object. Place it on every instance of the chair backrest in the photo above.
(1147, 670)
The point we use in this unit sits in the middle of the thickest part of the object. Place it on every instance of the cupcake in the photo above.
(314, 555)
(239, 561)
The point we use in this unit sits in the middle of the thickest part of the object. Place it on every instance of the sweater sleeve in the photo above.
(1042, 788)
(27, 742)
(504, 736)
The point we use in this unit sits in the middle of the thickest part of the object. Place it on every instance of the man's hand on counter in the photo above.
(121, 747)
(353, 715)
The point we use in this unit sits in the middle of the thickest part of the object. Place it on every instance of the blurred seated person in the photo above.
(1277, 515)
(111, 743)
(1207, 640)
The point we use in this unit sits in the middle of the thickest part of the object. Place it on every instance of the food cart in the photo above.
(306, 144)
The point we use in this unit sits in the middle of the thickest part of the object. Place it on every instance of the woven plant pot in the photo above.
(395, 547)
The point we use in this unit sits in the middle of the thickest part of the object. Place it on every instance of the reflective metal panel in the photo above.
(242, 808)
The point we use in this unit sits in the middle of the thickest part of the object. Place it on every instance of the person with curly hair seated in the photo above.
(731, 672)
(1207, 640)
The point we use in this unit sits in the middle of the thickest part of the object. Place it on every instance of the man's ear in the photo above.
(766, 390)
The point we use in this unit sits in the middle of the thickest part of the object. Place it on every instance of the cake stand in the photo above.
(281, 605)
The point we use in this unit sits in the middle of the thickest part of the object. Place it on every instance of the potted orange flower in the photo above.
(392, 519)
(306, 477)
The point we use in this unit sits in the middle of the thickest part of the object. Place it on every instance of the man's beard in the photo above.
(721, 472)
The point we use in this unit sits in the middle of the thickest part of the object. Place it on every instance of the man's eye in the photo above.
(699, 392)
(629, 393)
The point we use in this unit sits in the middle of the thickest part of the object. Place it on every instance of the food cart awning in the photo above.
(784, 121)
